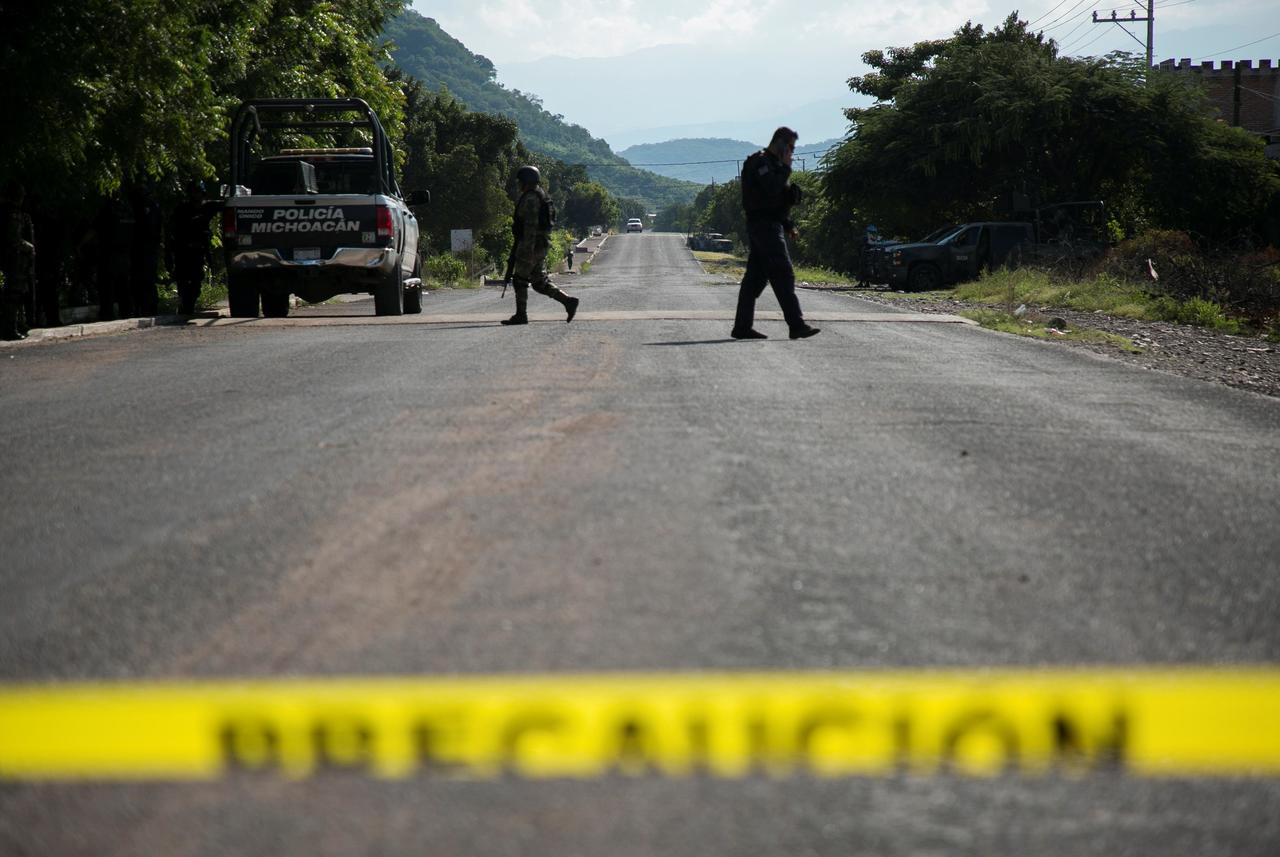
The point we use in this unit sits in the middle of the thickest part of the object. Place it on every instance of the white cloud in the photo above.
(523, 30)
(765, 58)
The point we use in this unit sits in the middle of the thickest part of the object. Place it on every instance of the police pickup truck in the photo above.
(312, 220)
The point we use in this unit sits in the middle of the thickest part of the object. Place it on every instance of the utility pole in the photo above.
(1134, 19)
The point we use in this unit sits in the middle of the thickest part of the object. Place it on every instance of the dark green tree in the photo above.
(466, 160)
(720, 210)
(100, 92)
(678, 217)
(962, 124)
(629, 207)
(589, 204)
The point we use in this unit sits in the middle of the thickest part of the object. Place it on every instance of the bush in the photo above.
(1196, 311)
(445, 269)
(561, 241)
(1246, 284)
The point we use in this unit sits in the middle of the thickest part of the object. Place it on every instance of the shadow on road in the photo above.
(694, 342)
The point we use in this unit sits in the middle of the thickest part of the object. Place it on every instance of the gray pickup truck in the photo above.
(1069, 231)
(314, 210)
(960, 255)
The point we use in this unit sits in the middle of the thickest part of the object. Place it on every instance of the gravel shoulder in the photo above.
(1248, 363)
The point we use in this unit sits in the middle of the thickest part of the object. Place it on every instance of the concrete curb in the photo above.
(97, 328)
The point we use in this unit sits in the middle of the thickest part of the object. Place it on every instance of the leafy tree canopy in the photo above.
(589, 204)
(466, 159)
(960, 125)
(99, 93)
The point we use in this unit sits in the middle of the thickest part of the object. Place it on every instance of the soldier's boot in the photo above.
(570, 304)
(522, 304)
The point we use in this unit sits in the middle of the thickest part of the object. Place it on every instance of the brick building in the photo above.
(1245, 94)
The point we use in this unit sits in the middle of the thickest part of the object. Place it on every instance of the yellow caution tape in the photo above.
(1065, 722)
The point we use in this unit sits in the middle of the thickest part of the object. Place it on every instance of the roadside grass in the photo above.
(1009, 323)
(729, 265)
(213, 294)
(724, 265)
(1102, 292)
(824, 276)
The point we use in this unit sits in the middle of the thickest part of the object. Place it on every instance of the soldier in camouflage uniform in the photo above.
(17, 260)
(531, 227)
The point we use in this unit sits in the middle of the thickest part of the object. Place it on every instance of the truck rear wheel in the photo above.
(389, 296)
(413, 300)
(275, 305)
(413, 296)
(242, 298)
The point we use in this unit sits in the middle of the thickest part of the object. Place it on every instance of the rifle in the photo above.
(511, 269)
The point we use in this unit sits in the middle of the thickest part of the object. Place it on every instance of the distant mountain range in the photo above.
(424, 50)
(705, 160)
(436, 58)
(674, 91)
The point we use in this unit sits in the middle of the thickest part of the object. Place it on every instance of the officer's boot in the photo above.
(522, 305)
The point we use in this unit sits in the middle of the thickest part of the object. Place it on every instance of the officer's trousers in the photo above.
(189, 274)
(768, 262)
(534, 275)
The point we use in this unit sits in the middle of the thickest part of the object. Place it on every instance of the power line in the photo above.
(1238, 47)
(1091, 41)
(1057, 22)
(1077, 26)
(1082, 22)
(817, 152)
(1072, 31)
(1149, 19)
(1259, 93)
(1047, 14)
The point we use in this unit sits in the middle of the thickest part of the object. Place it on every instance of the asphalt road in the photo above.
(337, 494)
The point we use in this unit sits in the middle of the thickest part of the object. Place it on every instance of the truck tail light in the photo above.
(228, 223)
(386, 226)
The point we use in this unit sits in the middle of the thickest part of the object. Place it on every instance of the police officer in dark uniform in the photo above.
(113, 231)
(17, 261)
(145, 259)
(189, 244)
(767, 196)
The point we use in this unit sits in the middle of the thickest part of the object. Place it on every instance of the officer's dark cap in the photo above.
(528, 174)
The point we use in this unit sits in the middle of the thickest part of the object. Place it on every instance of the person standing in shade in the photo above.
(190, 251)
(113, 233)
(531, 226)
(145, 262)
(767, 197)
(17, 261)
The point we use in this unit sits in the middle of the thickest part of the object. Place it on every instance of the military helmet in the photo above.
(528, 174)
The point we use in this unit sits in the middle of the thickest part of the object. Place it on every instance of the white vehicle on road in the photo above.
(635, 224)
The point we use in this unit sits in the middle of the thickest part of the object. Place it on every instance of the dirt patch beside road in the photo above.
(1249, 363)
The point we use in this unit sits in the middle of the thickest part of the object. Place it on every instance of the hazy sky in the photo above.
(774, 54)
